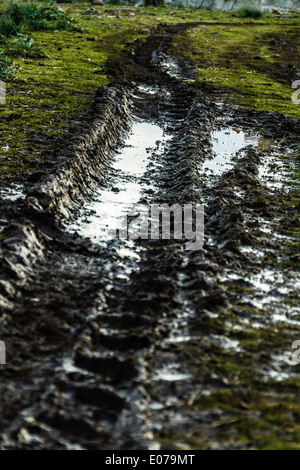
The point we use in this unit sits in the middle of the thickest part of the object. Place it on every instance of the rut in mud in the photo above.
(123, 344)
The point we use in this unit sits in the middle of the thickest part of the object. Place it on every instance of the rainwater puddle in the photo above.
(274, 172)
(108, 210)
(267, 279)
(171, 67)
(281, 368)
(249, 250)
(13, 192)
(168, 64)
(147, 90)
(179, 339)
(170, 374)
(271, 288)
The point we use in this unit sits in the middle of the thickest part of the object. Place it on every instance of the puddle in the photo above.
(171, 374)
(275, 283)
(109, 207)
(266, 280)
(271, 288)
(255, 252)
(179, 339)
(171, 67)
(283, 318)
(148, 90)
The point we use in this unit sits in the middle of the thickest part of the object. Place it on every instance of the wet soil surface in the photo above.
(142, 344)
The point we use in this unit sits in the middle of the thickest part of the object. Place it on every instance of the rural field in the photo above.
(183, 124)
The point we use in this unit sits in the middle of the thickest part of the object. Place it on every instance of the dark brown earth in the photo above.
(86, 345)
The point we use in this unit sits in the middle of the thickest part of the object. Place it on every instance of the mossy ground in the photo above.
(45, 91)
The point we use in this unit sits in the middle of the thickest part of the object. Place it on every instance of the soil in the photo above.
(142, 344)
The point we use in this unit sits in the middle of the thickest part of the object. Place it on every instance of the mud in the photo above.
(116, 344)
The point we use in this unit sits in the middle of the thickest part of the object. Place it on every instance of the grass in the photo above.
(249, 63)
(8, 27)
(5, 66)
(23, 46)
(51, 74)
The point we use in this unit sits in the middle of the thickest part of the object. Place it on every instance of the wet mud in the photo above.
(141, 344)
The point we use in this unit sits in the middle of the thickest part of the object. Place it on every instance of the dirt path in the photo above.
(121, 344)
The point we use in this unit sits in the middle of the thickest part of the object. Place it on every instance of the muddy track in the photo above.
(110, 343)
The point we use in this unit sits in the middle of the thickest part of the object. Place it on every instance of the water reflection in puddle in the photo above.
(110, 206)
(171, 67)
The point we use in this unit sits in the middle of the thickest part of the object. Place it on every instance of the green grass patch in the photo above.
(5, 66)
(32, 16)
